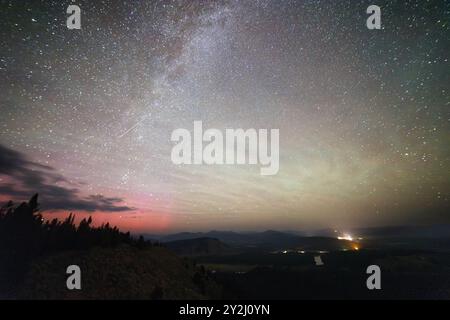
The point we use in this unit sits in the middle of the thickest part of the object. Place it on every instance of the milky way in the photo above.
(86, 115)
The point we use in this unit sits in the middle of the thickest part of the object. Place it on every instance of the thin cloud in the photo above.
(25, 177)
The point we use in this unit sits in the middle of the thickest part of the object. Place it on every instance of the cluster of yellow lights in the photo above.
(348, 237)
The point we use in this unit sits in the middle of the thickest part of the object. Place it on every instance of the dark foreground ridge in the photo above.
(34, 256)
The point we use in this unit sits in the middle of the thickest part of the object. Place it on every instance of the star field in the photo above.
(363, 114)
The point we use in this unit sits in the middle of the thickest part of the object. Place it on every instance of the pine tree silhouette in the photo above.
(24, 236)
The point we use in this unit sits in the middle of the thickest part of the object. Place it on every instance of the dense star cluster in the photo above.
(87, 115)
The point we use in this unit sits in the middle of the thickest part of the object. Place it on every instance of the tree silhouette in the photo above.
(24, 236)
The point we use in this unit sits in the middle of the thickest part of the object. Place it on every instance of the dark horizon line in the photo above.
(311, 232)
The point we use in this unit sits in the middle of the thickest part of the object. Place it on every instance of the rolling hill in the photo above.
(119, 273)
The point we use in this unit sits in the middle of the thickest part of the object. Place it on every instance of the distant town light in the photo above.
(346, 236)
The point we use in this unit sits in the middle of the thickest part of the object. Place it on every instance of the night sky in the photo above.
(86, 115)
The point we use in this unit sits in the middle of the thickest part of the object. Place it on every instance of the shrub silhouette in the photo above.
(24, 236)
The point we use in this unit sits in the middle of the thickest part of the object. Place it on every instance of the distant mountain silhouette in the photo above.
(233, 238)
(269, 239)
(199, 247)
(433, 231)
